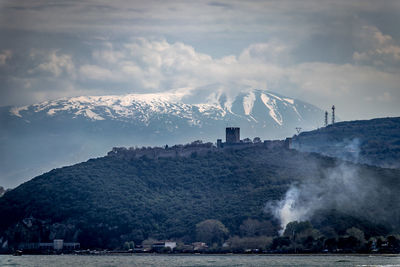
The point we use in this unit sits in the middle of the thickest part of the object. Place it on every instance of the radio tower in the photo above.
(326, 118)
(333, 114)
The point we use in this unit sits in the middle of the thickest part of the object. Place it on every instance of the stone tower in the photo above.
(232, 135)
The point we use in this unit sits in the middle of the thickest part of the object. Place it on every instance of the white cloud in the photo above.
(351, 88)
(108, 55)
(54, 63)
(319, 52)
(378, 48)
(271, 52)
(97, 73)
(148, 65)
(4, 56)
(157, 65)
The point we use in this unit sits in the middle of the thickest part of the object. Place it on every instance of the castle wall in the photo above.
(232, 135)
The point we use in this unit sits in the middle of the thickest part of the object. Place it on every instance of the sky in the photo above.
(345, 53)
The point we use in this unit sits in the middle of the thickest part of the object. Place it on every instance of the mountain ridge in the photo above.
(373, 142)
(122, 106)
(74, 129)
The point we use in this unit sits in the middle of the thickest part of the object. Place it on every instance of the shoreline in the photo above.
(221, 254)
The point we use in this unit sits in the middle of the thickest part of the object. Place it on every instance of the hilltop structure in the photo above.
(333, 116)
(198, 147)
(232, 135)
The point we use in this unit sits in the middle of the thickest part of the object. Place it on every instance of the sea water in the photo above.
(200, 260)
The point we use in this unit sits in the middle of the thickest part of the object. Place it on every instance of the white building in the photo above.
(170, 244)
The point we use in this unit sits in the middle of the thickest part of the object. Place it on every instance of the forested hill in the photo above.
(106, 201)
(374, 142)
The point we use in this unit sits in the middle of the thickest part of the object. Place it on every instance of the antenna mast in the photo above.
(326, 118)
(333, 114)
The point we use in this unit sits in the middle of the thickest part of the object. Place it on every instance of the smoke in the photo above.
(289, 209)
(347, 149)
(346, 187)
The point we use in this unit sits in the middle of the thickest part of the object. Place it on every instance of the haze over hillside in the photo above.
(106, 201)
(51, 134)
(374, 142)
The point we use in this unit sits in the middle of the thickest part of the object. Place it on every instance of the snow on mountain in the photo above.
(55, 133)
(146, 107)
(270, 103)
(248, 102)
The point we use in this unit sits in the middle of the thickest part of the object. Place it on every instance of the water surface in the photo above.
(200, 260)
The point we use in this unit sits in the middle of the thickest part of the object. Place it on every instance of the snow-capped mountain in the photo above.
(64, 131)
(260, 108)
(132, 108)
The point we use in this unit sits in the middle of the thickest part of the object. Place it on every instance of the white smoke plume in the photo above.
(345, 187)
(288, 209)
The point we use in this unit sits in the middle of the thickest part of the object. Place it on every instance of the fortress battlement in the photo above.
(193, 149)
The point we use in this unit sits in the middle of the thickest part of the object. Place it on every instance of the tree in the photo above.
(252, 227)
(257, 140)
(240, 244)
(148, 242)
(357, 233)
(303, 236)
(129, 245)
(296, 227)
(393, 243)
(280, 242)
(211, 231)
(249, 227)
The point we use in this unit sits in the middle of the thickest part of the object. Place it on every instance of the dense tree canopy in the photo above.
(108, 201)
(211, 231)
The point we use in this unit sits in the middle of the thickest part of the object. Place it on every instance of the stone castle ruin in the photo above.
(232, 139)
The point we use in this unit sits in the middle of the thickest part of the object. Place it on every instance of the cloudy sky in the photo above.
(345, 53)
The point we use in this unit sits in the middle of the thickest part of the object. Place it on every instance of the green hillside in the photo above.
(106, 201)
(374, 142)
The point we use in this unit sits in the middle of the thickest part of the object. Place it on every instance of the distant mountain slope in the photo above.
(106, 201)
(374, 142)
(260, 109)
(43, 136)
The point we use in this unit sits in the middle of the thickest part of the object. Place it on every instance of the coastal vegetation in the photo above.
(218, 198)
